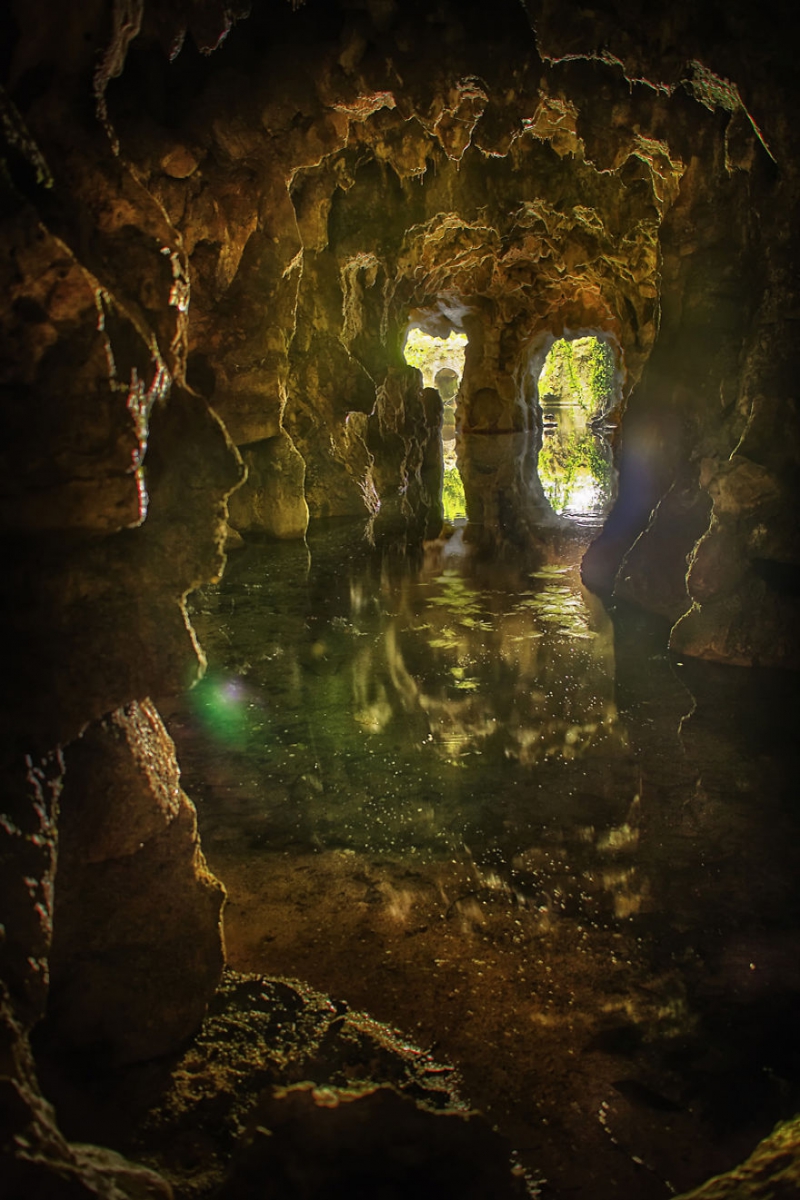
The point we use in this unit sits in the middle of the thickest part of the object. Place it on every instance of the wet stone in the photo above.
(463, 796)
(264, 1039)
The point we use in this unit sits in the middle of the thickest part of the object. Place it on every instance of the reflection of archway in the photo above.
(441, 361)
(578, 389)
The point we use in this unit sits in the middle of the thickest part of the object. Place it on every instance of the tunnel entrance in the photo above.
(577, 391)
(441, 361)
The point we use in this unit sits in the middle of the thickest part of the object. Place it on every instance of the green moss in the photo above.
(579, 372)
(559, 377)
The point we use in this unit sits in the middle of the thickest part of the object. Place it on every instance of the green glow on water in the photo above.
(221, 704)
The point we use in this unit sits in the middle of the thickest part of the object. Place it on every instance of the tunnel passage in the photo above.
(215, 224)
(578, 390)
(441, 360)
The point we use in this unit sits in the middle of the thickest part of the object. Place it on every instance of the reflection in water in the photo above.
(575, 463)
(465, 798)
(577, 390)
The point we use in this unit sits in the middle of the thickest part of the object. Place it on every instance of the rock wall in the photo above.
(347, 171)
(216, 226)
(99, 552)
(137, 944)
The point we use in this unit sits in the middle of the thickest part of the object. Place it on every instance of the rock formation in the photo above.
(137, 947)
(217, 225)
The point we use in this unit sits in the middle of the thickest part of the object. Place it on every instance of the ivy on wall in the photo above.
(579, 372)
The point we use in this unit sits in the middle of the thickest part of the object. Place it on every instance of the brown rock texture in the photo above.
(61, 471)
(588, 180)
(771, 1172)
(273, 500)
(113, 506)
(137, 949)
(38, 1162)
(327, 1142)
(364, 1112)
(28, 841)
(217, 223)
(469, 191)
(653, 572)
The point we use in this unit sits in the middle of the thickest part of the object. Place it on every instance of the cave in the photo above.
(578, 392)
(441, 361)
(357, 838)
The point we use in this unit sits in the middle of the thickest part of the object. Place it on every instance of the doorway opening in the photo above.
(578, 387)
(441, 361)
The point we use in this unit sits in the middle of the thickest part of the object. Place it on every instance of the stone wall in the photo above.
(609, 180)
(216, 225)
(115, 479)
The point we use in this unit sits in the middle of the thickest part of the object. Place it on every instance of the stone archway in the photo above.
(215, 224)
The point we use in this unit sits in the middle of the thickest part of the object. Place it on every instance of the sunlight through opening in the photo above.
(441, 361)
(576, 393)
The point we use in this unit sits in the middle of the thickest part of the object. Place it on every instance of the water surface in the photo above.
(466, 797)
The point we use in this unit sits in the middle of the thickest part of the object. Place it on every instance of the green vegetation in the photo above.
(453, 499)
(600, 372)
(559, 377)
(576, 383)
(573, 469)
(430, 354)
(579, 372)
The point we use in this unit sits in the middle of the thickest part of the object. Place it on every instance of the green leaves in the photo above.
(579, 372)
(454, 501)
(565, 464)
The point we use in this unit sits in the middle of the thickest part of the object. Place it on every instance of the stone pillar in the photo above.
(497, 442)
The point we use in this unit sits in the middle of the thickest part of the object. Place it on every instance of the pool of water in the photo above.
(575, 464)
(466, 797)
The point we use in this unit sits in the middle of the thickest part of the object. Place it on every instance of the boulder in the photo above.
(137, 944)
(36, 1161)
(272, 500)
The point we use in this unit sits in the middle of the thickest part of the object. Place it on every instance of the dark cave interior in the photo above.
(219, 222)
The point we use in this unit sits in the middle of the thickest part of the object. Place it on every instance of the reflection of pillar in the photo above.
(505, 501)
(497, 438)
(397, 437)
(432, 469)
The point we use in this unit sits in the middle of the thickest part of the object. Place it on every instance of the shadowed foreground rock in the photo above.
(327, 1144)
(772, 1172)
(137, 947)
(38, 1163)
(285, 1094)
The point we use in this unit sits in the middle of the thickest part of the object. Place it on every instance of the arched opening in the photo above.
(440, 780)
(578, 389)
(441, 361)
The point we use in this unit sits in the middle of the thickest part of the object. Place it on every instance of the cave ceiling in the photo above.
(256, 201)
(218, 221)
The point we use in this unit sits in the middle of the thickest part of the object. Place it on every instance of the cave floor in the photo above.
(464, 797)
